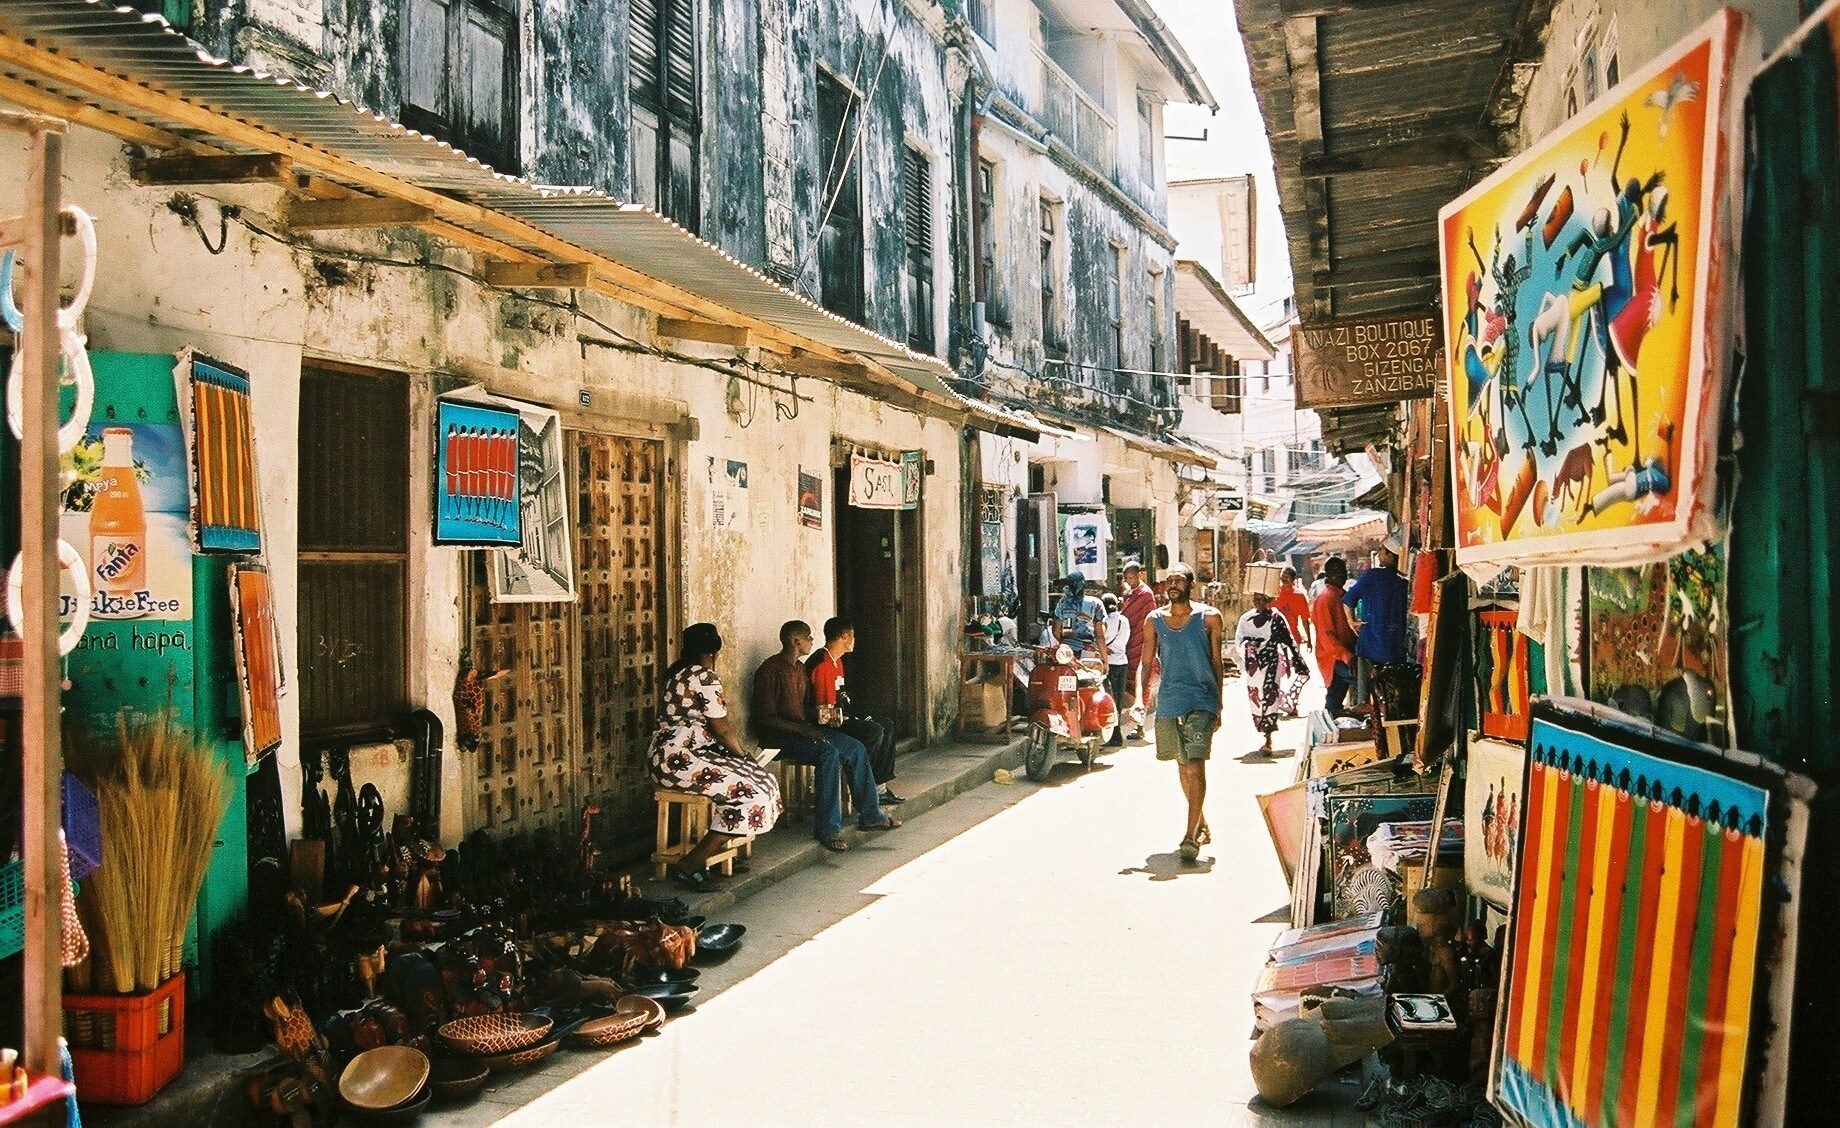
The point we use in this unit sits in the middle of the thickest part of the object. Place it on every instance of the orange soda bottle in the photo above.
(118, 524)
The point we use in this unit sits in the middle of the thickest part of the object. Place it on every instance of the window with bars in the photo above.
(840, 239)
(354, 551)
(989, 287)
(983, 19)
(460, 75)
(1050, 274)
(1153, 303)
(917, 208)
(1114, 312)
(667, 107)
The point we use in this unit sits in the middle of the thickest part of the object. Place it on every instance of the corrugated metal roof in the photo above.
(146, 50)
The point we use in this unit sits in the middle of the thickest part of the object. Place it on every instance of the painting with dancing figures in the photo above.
(1587, 323)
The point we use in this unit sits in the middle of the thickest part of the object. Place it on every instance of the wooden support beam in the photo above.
(708, 331)
(536, 275)
(78, 113)
(356, 211)
(1404, 156)
(1396, 267)
(212, 168)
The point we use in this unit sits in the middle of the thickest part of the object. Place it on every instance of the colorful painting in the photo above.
(1588, 320)
(258, 659)
(1327, 759)
(1501, 674)
(811, 499)
(476, 476)
(1630, 984)
(1352, 821)
(542, 568)
(214, 401)
(1492, 817)
(1657, 642)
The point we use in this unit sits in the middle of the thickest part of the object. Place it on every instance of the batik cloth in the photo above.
(686, 757)
(1273, 667)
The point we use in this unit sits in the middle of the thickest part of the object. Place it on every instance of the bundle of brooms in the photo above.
(160, 793)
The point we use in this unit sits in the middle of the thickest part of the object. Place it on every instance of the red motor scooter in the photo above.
(1069, 709)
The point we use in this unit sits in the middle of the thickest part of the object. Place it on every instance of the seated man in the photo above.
(783, 716)
(834, 707)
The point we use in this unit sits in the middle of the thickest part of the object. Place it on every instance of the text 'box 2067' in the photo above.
(1367, 359)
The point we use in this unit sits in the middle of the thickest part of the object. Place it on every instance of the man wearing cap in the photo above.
(1135, 602)
(1379, 600)
(1189, 701)
(1079, 619)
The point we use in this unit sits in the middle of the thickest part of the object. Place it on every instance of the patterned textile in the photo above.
(1274, 667)
(226, 503)
(1638, 910)
(686, 757)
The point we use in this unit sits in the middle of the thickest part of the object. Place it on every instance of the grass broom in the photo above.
(161, 797)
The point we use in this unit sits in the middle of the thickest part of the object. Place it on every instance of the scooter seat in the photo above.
(1090, 678)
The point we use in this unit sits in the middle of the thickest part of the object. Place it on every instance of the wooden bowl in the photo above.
(518, 1059)
(382, 1079)
(495, 1034)
(456, 1078)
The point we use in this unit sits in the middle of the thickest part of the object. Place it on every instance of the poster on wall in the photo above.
(127, 510)
(1653, 898)
(1589, 306)
(542, 568)
(476, 476)
(811, 499)
(728, 494)
(258, 659)
(1492, 817)
(1087, 536)
(913, 477)
(876, 483)
(214, 403)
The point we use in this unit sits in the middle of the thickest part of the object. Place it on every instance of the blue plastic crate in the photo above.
(82, 828)
(12, 909)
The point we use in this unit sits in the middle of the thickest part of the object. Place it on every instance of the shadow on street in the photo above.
(1168, 867)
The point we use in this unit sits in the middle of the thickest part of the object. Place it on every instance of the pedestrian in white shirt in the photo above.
(1118, 665)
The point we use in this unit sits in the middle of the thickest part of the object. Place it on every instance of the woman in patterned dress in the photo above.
(1272, 663)
(698, 749)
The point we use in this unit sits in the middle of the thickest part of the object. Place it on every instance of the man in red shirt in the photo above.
(1135, 602)
(1334, 635)
(833, 702)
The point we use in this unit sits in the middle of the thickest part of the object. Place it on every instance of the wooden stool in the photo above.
(798, 787)
(683, 820)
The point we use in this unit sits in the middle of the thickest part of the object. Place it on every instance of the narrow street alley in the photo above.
(1023, 955)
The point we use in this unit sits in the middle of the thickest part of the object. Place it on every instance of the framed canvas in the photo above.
(1589, 306)
(1643, 981)
(258, 658)
(226, 496)
(476, 476)
(1285, 813)
(1491, 817)
(541, 569)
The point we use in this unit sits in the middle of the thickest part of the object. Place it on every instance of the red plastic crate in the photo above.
(126, 1047)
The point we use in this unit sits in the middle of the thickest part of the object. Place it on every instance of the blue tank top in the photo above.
(1188, 675)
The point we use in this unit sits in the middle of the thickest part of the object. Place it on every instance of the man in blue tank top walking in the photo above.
(1186, 638)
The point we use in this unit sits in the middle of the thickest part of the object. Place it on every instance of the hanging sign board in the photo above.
(1381, 359)
(913, 473)
(876, 483)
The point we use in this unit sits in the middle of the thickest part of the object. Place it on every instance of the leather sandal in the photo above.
(834, 843)
(1190, 850)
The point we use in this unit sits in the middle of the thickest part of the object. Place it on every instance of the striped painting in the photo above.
(226, 497)
(1628, 983)
(258, 659)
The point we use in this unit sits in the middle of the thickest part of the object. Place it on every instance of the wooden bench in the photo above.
(683, 820)
(798, 787)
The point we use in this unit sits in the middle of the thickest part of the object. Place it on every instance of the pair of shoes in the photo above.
(1190, 849)
(833, 843)
(697, 879)
(888, 796)
(888, 822)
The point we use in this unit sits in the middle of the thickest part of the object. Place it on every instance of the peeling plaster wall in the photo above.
(268, 306)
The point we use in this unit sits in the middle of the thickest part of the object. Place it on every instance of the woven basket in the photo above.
(483, 1034)
(521, 1058)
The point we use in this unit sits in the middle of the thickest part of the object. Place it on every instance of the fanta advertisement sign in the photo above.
(126, 511)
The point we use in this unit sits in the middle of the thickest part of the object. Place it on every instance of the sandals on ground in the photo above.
(834, 843)
(1190, 850)
(888, 822)
(697, 880)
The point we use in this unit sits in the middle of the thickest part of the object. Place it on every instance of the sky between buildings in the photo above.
(1209, 31)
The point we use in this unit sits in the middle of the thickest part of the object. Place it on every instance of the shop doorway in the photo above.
(880, 588)
(1038, 554)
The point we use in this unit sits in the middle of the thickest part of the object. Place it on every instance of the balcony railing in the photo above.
(1072, 115)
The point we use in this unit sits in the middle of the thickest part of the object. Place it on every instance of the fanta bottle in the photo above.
(118, 527)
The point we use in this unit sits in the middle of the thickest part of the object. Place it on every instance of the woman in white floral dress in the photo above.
(698, 749)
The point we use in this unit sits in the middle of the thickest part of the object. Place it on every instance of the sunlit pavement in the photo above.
(1024, 955)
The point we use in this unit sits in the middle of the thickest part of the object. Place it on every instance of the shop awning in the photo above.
(132, 75)
(1356, 529)
(1205, 304)
(1174, 449)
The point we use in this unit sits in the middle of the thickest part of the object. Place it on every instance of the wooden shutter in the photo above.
(680, 81)
(642, 37)
(425, 52)
(485, 53)
(917, 193)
